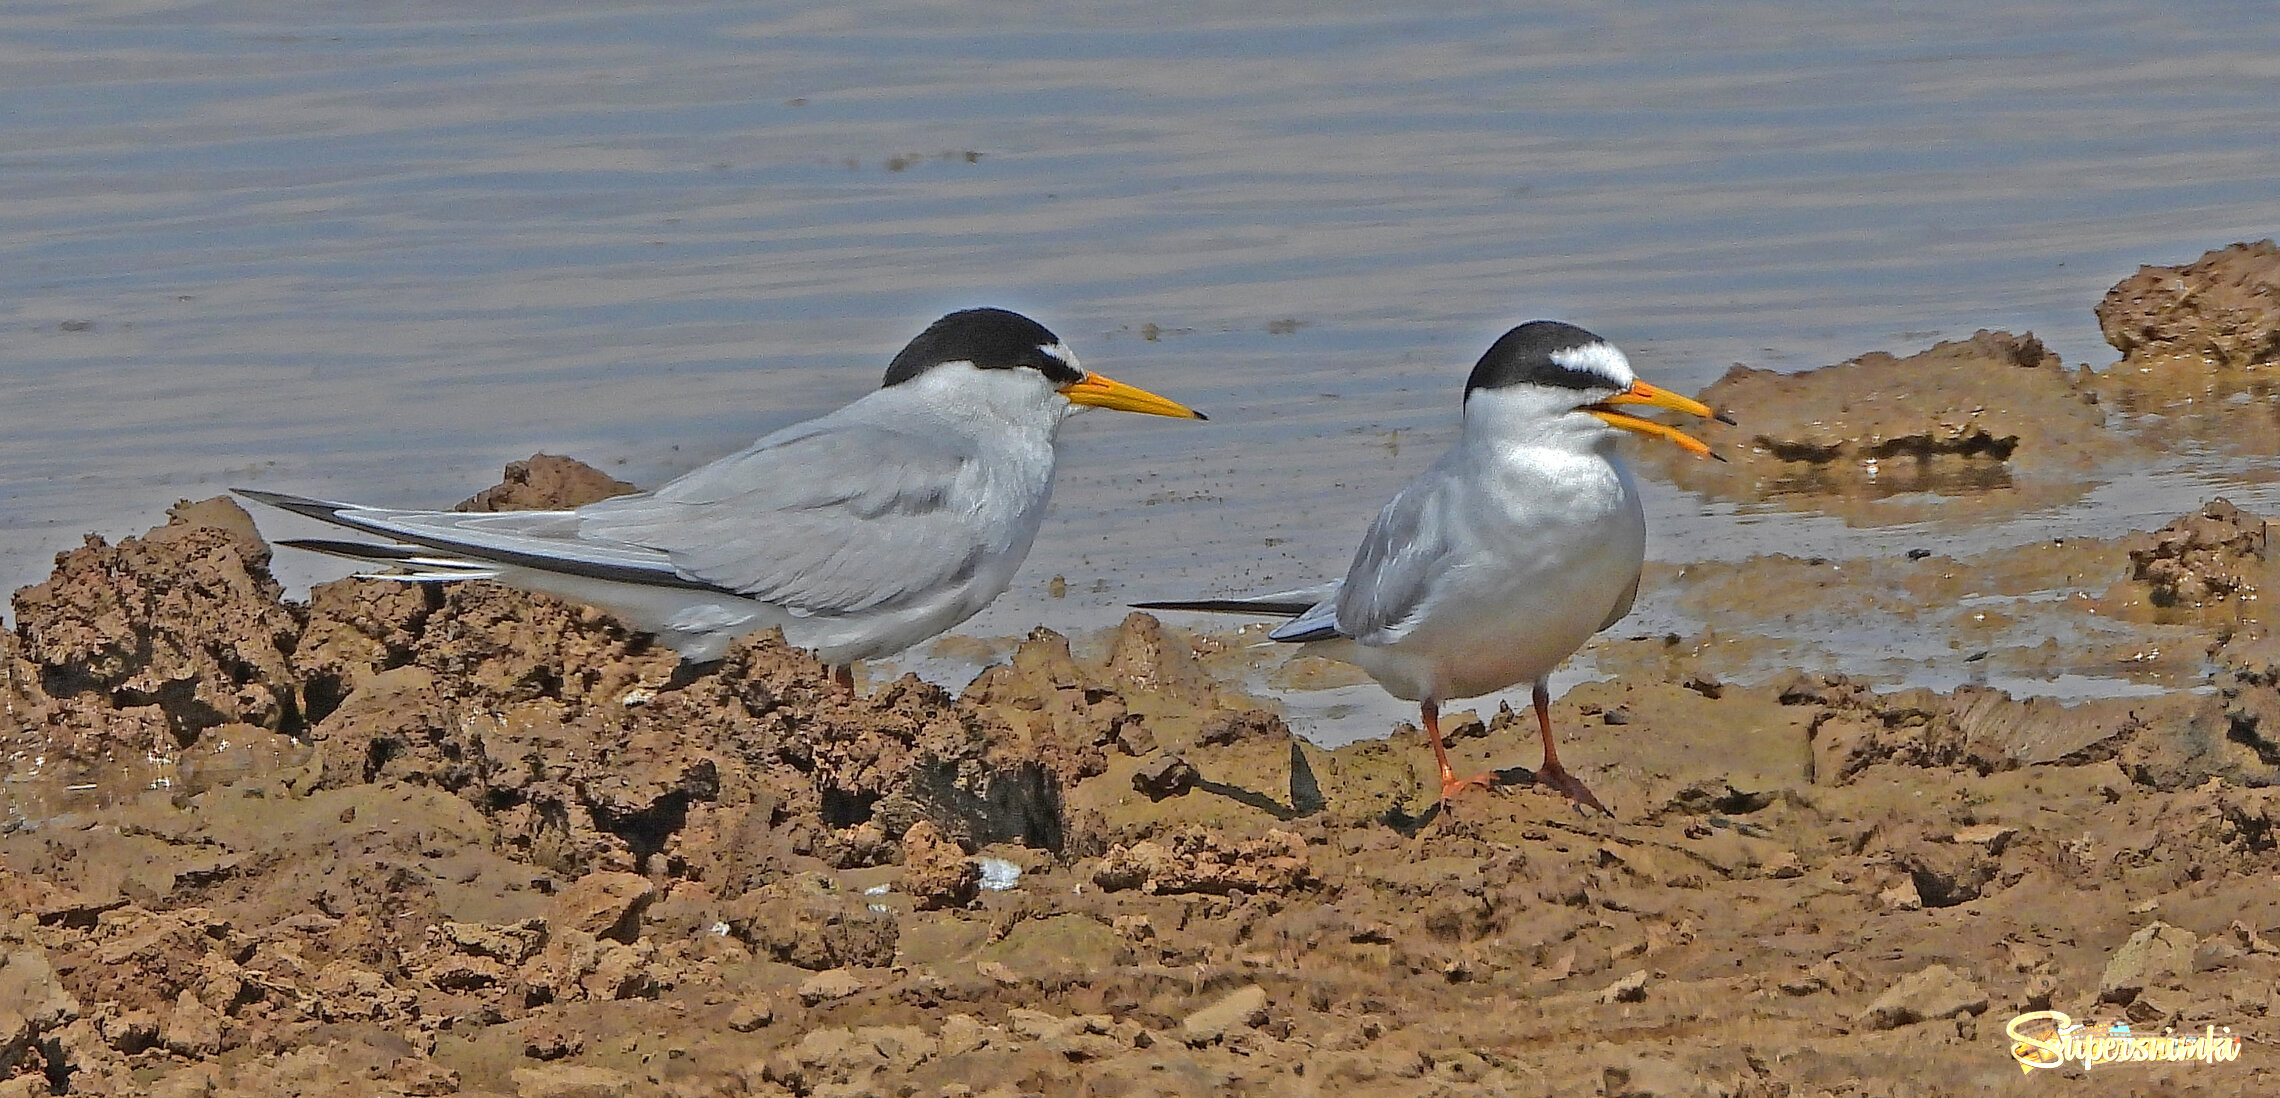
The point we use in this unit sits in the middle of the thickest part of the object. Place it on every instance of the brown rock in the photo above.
(131, 1032)
(1993, 411)
(2158, 954)
(838, 1060)
(1143, 657)
(546, 482)
(752, 1014)
(578, 966)
(1244, 1007)
(192, 1029)
(1133, 737)
(356, 628)
(571, 1081)
(1074, 1039)
(545, 1038)
(1991, 837)
(185, 618)
(1227, 727)
(1632, 988)
(2199, 344)
(1165, 776)
(397, 725)
(1932, 993)
(936, 873)
(1902, 896)
(1054, 951)
(1655, 1077)
(29, 988)
(831, 983)
(2222, 309)
(908, 752)
(347, 991)
(1194, 859)
(512, 943)
(809, 922)
(1063, 715)
(444, 964)
(605, 905)
(503, 646)
(1974, 727)
(964, 1033)
(1947, 874)
(16, 1037)
(2221, 554)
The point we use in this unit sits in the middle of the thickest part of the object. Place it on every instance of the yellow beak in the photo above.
(1642, 393)
(1102, 392)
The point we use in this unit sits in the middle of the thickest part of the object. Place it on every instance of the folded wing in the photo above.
(826, 518)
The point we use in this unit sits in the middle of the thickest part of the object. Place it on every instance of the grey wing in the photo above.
(1400, 563)
(826, 517)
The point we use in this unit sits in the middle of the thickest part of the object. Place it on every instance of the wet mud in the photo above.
(423, 840)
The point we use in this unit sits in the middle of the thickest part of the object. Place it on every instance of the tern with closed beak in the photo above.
(858, 533)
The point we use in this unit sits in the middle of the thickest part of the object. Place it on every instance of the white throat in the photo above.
(1022, 399)
(1537, 415)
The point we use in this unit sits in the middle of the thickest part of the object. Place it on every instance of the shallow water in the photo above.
(375, 256)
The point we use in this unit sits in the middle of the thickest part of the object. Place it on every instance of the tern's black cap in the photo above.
(1525, 356)
(991, 339)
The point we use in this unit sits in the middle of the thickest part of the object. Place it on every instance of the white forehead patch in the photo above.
(1059, 351)
(1601, 359)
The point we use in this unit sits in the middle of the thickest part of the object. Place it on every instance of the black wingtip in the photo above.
(353, 550)
(300, 505)
(1227, 606)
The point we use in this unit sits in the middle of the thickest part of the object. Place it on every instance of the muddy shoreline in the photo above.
(421, 840)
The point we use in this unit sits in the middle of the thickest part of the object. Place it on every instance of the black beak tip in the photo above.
(1201, 416)
(1726, 418)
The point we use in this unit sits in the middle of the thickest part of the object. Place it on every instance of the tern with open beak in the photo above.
(1507, 553)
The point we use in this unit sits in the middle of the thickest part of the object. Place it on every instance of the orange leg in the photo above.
(1552, 773)
(1451, 785)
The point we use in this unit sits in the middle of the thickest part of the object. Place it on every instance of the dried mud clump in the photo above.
(185, 619)
(2200, 348)
(1974, 728)
(2221, 310)
(812, 922)
(1196, 860)
(2169, 743)
(1992, 421)
(132, 659)
(2218, 568)
(483, 640)
(2221, 554)
(936, 872)
(1062, 718)
(546, 482)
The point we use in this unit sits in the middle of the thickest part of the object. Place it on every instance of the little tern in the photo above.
(858, 533)
(1508, 552)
